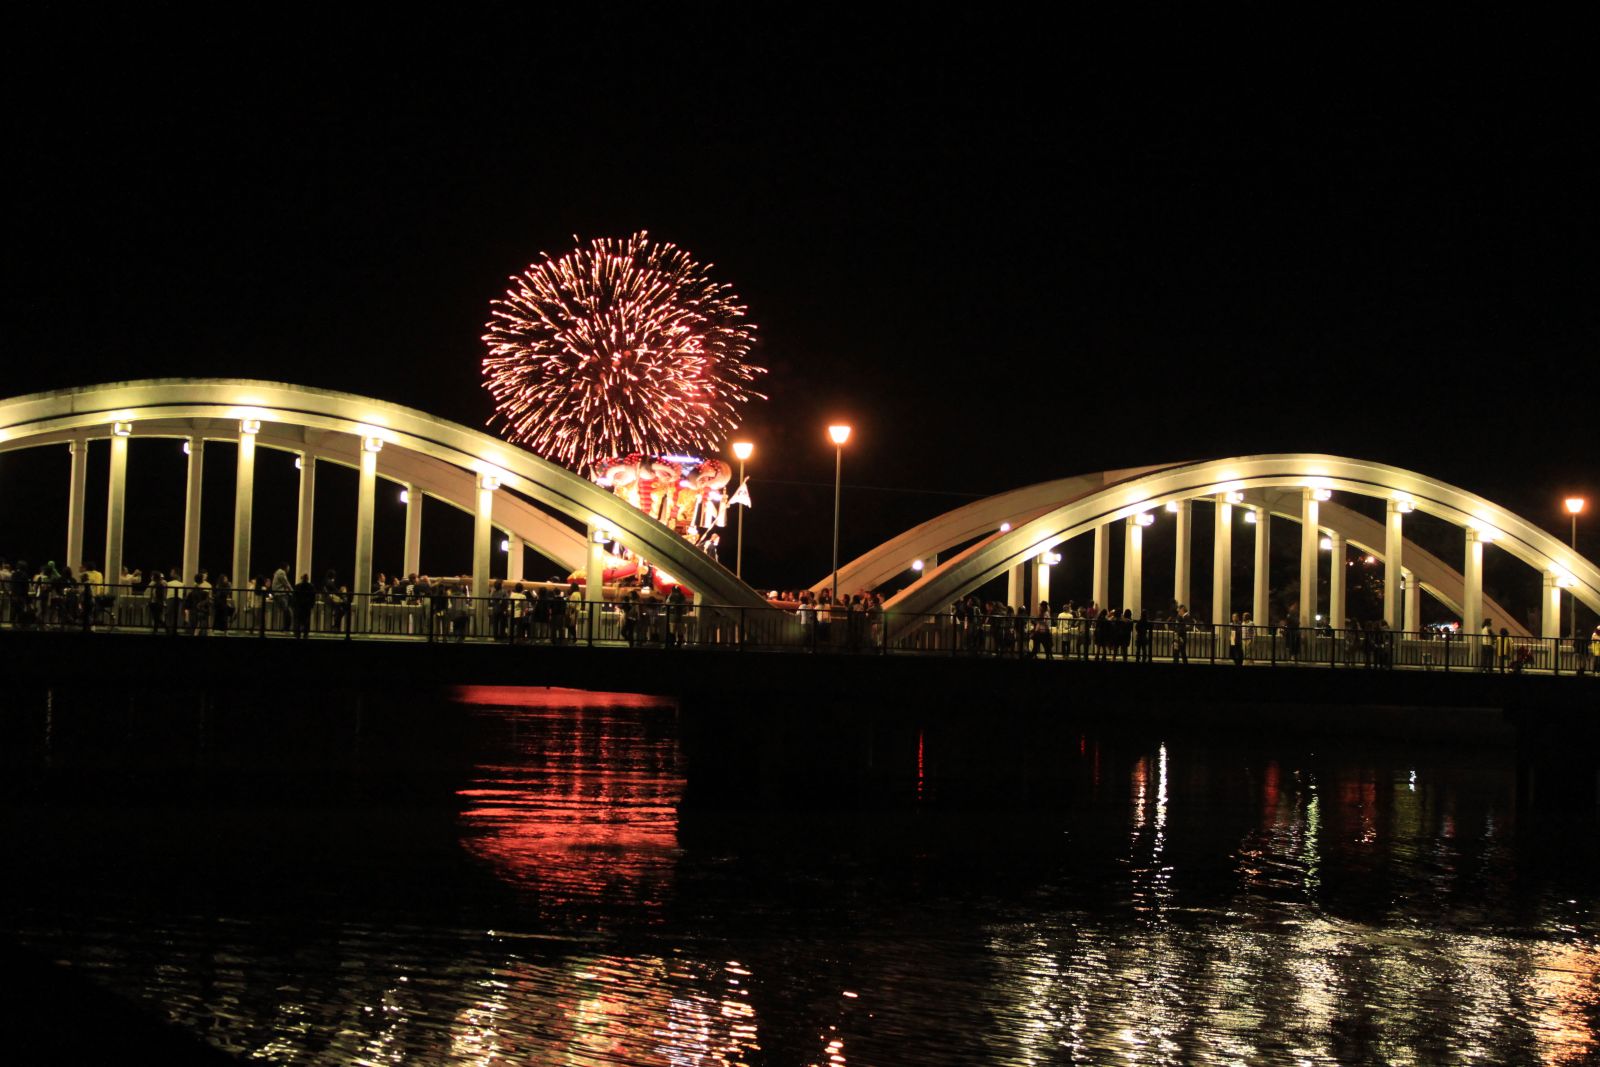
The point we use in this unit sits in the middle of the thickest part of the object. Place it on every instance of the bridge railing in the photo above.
(449, 615)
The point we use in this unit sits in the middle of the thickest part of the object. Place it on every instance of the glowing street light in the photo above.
(742, 450)
(1574, 508)
(839, 433)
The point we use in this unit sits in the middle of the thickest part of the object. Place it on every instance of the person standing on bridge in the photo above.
(303, 597)
(1594, 648)
(1486, 647)
(1042, 637)
(1180, 634)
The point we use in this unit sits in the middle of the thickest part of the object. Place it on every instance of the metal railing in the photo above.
(448, 615)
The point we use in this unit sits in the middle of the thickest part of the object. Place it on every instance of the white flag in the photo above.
(742, 497)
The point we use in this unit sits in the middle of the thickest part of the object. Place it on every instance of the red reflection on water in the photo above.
(1269, 793)
(580, 805)
(919, 765)
(532, 696)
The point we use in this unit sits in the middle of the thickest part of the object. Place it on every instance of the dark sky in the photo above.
(1005, 258)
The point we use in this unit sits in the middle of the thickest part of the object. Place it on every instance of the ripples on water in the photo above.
(1148, 902)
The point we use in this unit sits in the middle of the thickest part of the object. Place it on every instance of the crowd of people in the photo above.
(554, 612)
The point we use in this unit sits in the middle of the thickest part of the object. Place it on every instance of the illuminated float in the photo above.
(687, 494)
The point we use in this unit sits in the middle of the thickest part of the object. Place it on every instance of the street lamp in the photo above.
(839, 434)
(1574, 507)
(742, 450)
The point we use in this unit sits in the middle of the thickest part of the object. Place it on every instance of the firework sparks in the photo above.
(621, 345)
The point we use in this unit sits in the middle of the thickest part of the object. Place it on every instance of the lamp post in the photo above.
(1574, 507)
(742, 450)
(839, 434)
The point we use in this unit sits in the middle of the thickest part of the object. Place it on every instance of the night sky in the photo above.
(1003, 257)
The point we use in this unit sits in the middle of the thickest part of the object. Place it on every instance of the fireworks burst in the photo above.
(619, 346)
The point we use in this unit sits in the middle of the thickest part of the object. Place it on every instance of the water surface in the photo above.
(1133, 899)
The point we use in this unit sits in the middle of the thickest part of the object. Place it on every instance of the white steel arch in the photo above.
(983, 517)
(417, 471)
(270, 409)
(1483, 519)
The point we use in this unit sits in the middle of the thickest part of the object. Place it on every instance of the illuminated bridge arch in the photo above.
(1298, 486)
(428, 455)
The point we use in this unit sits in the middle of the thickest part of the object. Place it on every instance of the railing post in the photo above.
(261, 612)
(742, 611)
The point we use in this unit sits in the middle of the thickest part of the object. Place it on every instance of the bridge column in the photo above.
(366, 506)
(1338, 571)
(594, 577)
(1016, 591)
(304, 517)
(1041, 579)
(1472, 584)
(1183, 530)
(196, 447)
(1133, 566)
(244, 488)
(412, 563)
(1413, 616)
(1222, 562)
(1308, 557)
(482, 531)
(1101, 592)
(514, 558)
(116, 499)
(1551, 623)
(1393, 563)
(1261, 589)
(77, 494)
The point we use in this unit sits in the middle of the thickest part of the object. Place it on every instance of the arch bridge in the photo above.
(500, 484)
(1013, 532)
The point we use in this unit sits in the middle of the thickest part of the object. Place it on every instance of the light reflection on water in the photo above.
(1180, 903)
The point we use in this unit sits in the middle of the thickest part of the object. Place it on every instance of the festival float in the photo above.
(687, 494)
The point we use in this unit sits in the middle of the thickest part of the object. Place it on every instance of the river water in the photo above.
(1146, 899)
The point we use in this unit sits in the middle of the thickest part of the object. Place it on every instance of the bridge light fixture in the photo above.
(488, 481)
(1234, 496)
(1051, 559)
(600, 535)
(839, 433)
(1144, 518)
(186, 449)
(1564, 581)
(299, 463)
(1326, 544)
(505, 544)
(1322, 494)
(1005, 527)
(1250, 517)
(1574, 505)
(743, 450)
(917, 565)
(1172, 507)
(372, 443)
(405, 496)
(250, 426)
(1405, 505)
